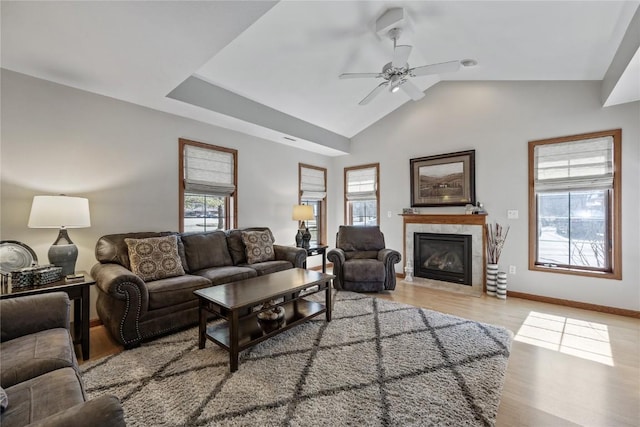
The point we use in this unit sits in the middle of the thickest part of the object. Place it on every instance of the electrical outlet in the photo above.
(512, 214)
(512, 269)
(389, 214)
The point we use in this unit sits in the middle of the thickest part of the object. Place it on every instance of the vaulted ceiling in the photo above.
(271, 69)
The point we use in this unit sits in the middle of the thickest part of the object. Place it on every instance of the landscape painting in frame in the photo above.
(443, 180)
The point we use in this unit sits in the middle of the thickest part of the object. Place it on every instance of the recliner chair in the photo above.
(361, 263)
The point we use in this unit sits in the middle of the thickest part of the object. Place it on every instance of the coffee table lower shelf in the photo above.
(249, 331)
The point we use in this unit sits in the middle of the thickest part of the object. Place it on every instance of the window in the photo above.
(574, 204)
(208, 195)
(361, 194)
(312, 185)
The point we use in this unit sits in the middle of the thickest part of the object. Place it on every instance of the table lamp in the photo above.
(61, 212)
(302, 213)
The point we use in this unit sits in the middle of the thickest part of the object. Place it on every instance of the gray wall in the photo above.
(124, 158)
(497, 119)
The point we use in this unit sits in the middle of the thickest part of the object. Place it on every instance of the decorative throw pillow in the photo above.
(259, 246)
(4, 400)
(155, 257)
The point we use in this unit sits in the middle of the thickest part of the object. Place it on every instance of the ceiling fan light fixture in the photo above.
(394, 89)
(469, 62)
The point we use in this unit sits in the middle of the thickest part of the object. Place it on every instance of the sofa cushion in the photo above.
(358, 238)
(363, 270)
(113, 248)
(222, 275)
(259, 246)
(174, 290)
(205, 250)
(42, 396)
(155, 257)
(269, 267)
(31, 355)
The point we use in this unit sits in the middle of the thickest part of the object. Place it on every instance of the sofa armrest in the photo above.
(33, 313)
(103, 411)
(296, 256)
(337, 258)
(117, 281)
(389, 258)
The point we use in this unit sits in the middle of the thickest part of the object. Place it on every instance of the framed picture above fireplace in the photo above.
(444, 180)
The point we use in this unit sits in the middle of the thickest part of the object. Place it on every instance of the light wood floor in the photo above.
(544, 386)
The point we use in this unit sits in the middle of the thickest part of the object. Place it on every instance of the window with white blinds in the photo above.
(575, 204)
(312, 183)
(361, 184)
(574, 165)
(361, 196)
(312, 191)
(208, 171)
(207, 187)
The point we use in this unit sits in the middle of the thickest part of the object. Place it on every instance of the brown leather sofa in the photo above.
(39, 368)
(134, 310)
(361, 263)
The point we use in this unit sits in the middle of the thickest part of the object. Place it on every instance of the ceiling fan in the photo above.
(396, 74)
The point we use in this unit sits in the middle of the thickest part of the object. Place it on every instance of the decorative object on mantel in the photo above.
(408, 211)
(443, 180)
(496, 236)
(61, 212)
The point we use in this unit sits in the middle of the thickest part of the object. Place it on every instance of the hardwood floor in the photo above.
(568, 366)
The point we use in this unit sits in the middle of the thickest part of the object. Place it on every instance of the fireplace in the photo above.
(446, 257)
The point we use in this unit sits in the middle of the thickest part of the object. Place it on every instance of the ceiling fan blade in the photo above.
(412, 90)
(373, 93)
(401, 55)
(443, 67)
(359, 75)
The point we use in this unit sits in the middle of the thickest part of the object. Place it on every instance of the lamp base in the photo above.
(64, 255)
(306, 238)
(299, 239)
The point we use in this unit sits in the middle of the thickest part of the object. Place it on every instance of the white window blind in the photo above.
(312, 184)
(574, 165)
(361, 184)
(208, 171)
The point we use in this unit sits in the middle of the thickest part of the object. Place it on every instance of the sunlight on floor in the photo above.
(578, 338)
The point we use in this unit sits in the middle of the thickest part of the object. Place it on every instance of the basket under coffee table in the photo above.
(235, 302)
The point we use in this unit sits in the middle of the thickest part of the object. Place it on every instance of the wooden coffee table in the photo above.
(235, 302)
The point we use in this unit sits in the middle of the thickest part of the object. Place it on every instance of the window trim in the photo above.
(615, 209)
(347, 206)
(322, 232)
(232, 222)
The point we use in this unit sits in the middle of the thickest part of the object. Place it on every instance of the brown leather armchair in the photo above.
(361, 263)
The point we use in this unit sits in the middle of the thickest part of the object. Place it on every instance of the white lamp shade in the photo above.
(59, 212)
(302, 213)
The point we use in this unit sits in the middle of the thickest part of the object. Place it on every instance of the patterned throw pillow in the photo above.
(155, 257)
(259, 246)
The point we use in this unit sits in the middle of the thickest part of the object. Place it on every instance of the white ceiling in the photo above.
(287, 56)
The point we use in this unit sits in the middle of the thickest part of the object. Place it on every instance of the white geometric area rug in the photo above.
(377, 363)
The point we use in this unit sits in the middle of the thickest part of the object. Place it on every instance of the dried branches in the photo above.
(496, 236)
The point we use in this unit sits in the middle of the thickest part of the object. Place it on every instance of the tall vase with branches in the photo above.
(496, 236)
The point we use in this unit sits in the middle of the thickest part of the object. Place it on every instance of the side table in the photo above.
(78, 291)
(318, 250)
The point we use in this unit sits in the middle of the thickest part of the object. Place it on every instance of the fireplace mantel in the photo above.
(464, 219)
(451, 222)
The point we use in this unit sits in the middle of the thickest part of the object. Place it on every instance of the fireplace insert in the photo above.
(445, 257)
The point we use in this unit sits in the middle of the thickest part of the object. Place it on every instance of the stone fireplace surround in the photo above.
(473, 225)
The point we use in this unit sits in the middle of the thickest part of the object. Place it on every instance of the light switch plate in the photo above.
(512, 214)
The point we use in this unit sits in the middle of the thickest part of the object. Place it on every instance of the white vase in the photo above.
(492, 272)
